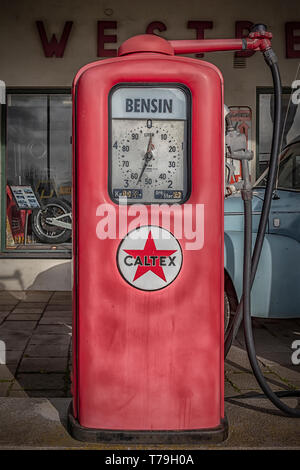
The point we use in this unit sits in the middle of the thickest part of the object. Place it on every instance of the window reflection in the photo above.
(38, 162)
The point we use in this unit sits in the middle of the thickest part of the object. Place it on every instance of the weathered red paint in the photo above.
(147, 360)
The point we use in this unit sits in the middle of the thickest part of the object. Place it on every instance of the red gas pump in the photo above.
(148, 243)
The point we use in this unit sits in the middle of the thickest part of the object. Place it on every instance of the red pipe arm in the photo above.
(255, 41)
(207, 45)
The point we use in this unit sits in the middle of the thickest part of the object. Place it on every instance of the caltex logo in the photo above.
(149, 258)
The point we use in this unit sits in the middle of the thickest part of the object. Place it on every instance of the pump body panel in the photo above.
(148, 360)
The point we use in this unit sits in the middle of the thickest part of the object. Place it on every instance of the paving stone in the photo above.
(285, 373)
(7, 372)
(48, 340)
(4, 388)
(19, 325)
(23, 317)
(14, 340)
(3, 316)
(35, 296)
(66, 303)
(61, 300)
(229, 389)
(29, 305)
(16, 385)
(34, 364)
(57, 313)
(27, 310)
(230, 368)
(9, 297)
(237, 357)
(13, 357)
(5, 308)
(18, 393)
(46, 393)
(282, 358)
(55, 320)
(265, 341)
(61, 293)
(53, 329)
(57, 307)
(247, 382)
(5, 302)
(41, 381)
(53, 350)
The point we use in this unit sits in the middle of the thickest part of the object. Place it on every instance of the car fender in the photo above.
(275, 292)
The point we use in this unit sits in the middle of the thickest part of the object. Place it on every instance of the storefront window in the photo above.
(38, 171)
(290, 124)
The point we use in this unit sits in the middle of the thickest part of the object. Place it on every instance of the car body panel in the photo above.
(276, 289)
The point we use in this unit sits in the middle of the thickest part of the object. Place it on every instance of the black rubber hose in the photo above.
(250, 265)
(275, 149)
(273, 397)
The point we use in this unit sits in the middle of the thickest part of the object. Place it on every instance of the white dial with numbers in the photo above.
(148, 156)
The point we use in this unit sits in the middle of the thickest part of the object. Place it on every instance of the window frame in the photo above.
(260, 91)
(286, 160)
(24, 253)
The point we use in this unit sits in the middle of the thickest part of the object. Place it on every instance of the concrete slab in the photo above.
(24, 317)
(28, 310)
(61, 329)
(41, 423)
(41, 381)
(60, 320)
(38, 364)
(30, 305)
(58, 307)
(14, 340)
(49, 351)
(45, 339)
(18, 325)
(25, 296)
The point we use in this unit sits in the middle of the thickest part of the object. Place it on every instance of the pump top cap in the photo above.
(146, 43)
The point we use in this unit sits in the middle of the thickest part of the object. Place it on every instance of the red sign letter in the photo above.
(155, 25)
(54, 47)
(291, 40)
(103, 38)
(200, 26)
(242, 29)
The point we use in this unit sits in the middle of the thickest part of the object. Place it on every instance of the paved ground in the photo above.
(34, 383)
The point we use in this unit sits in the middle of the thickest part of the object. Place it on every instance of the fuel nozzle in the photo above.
(236, 149)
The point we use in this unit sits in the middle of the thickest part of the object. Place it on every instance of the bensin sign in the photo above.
(140, 105)
(56, 47)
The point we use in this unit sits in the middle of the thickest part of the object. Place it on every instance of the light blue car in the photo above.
(276, 289)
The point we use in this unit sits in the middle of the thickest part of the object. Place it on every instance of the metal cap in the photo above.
(146, 43)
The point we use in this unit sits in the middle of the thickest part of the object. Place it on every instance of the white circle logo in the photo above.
(149, 258)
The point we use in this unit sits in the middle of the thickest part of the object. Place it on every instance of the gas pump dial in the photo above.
(148, 144)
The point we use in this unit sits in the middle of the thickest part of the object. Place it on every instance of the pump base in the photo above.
(195, 436)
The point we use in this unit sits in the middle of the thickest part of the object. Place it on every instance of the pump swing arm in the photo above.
(259, 39)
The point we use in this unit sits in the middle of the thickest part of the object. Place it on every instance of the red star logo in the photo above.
(150, 253)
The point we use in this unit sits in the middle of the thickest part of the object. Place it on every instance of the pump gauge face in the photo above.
(149, 161)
